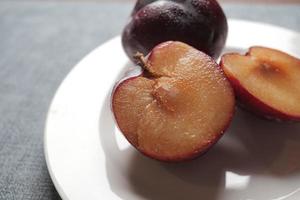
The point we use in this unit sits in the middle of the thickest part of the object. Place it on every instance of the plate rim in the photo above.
(52, 174)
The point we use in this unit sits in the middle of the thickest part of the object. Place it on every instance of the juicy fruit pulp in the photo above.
(199, 23)
(178, 108)
(266, 81)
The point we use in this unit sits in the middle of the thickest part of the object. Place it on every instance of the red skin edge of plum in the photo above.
(252, 104)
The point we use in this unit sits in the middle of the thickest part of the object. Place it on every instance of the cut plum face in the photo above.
(180, 110)
(266, 81)
(130, 100)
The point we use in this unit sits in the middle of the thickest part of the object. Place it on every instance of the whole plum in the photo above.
(199, 23)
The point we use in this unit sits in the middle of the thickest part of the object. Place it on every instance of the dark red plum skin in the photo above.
(199, 23)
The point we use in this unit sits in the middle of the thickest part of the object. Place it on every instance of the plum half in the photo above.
(178, 107)
(266, 81)
(199, 23)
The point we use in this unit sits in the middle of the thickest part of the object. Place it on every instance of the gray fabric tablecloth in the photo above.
(40, 41)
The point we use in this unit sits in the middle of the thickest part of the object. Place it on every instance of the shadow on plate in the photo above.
(252, 146)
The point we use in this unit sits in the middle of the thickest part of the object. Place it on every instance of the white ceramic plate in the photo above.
(88, 158)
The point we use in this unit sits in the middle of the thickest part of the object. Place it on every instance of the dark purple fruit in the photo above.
(199, 23)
